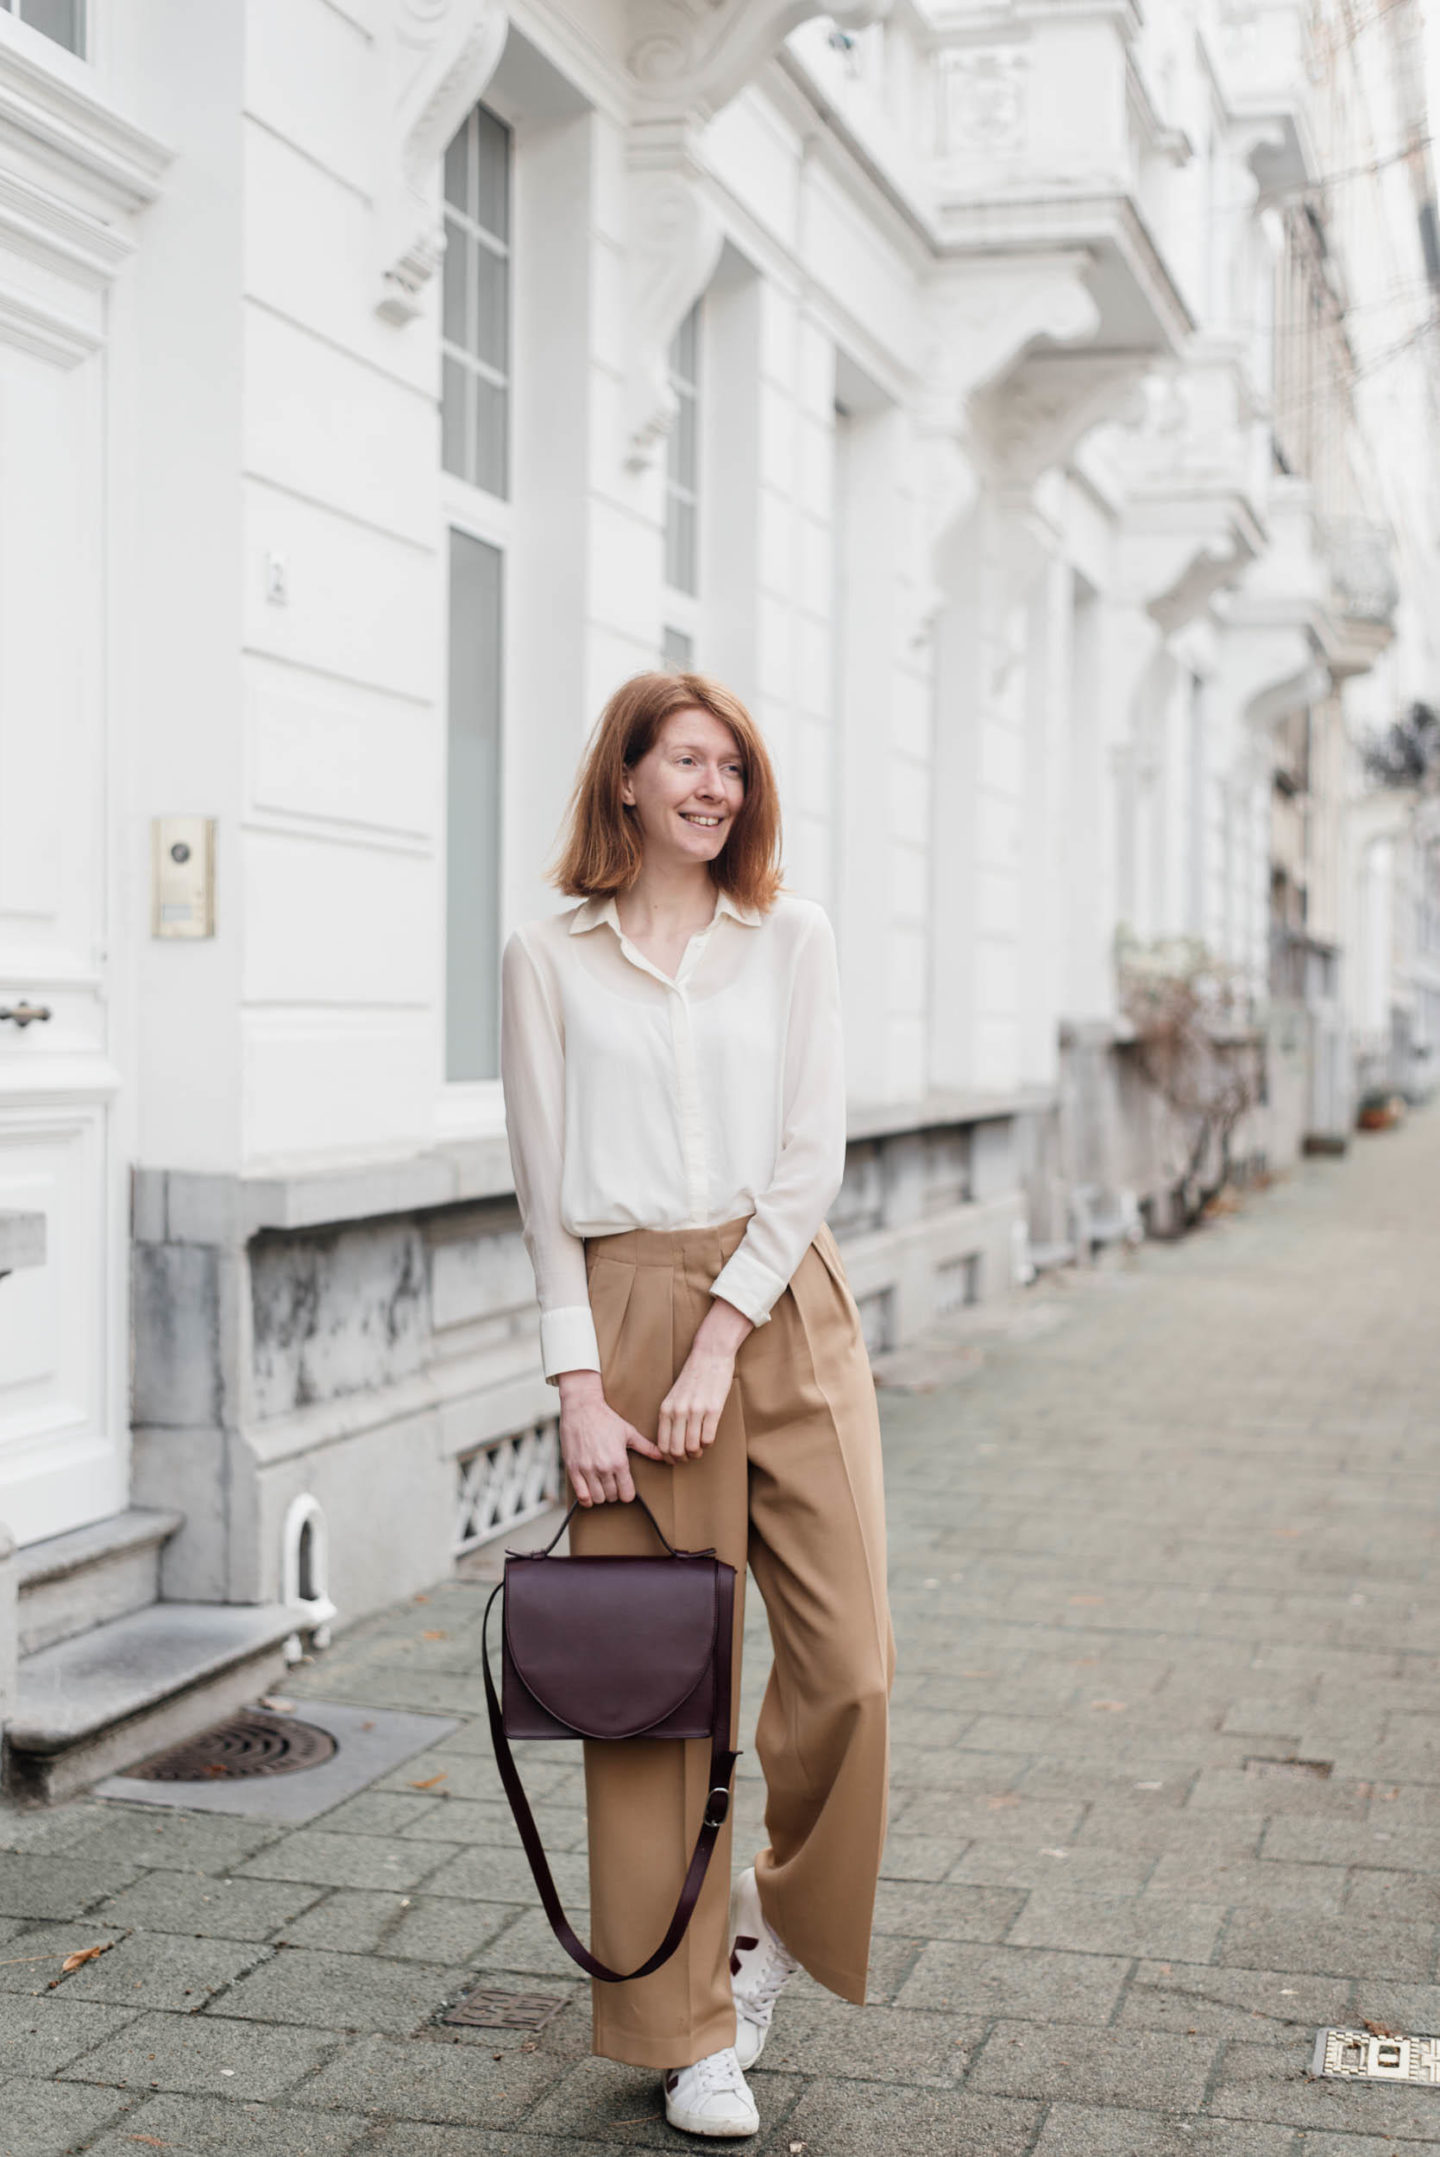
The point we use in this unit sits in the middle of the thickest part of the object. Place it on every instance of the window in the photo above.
(472, 858)
(63, 20)
(677, 651)
(682, 458)
(475, 324)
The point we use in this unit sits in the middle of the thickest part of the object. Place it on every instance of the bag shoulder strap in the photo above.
(717, 1803)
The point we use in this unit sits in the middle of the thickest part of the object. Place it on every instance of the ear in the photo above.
(627, 789)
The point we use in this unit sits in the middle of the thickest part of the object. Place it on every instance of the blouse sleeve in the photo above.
(811, 1160)
(532, 1071)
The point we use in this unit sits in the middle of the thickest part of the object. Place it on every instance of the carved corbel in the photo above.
(694, 55)
(442, 56)
(1053, 401)
(987, 317)
(675, 241)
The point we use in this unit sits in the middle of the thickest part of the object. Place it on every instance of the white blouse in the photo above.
(635, 1101)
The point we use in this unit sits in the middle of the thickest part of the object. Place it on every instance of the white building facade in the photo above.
(1018, 407)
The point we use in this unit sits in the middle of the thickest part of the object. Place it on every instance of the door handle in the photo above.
(23, 1014)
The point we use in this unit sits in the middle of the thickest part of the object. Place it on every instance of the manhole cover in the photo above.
(1377, 2056)
(250, 1743)
(489, 2010)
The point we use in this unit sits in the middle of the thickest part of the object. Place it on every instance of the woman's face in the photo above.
(688, 788)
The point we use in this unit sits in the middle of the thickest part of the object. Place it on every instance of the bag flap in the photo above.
(611, 1646)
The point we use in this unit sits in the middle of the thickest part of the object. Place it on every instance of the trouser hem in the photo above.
(680, 2048)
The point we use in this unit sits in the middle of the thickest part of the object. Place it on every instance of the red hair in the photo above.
(601, 850)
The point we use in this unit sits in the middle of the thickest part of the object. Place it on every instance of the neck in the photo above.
(669, 895)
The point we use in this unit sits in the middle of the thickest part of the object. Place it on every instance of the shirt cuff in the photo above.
(749, 1284)
(567, 1340)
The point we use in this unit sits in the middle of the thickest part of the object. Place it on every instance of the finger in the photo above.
(710, 1423)
(666, 1433)
(693, 1425)
(639, 1443)
(579, 1485)
(625, 1486)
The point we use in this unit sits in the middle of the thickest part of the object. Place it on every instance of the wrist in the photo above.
(580, 1385)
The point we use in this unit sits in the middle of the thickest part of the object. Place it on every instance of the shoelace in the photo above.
(718, 2074)
(762, 1993)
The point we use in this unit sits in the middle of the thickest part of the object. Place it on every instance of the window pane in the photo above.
(472, 861)
(458, 248)
(457, 170)
(453, 399)
(680, 545)
(490, 464)
(685, 347)
(64, 20)
(680, 458)
(677, 650)
(492, 325)
(492, 208)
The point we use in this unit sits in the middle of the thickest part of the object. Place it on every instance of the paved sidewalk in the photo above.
(1172, 1532)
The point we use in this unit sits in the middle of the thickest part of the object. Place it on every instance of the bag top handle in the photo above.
(574, 1509)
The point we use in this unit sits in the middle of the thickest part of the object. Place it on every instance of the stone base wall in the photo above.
(363, 1363)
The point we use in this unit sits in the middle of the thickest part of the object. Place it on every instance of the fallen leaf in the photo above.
(83, 1955)
(419, 1598)
(999, 1804)
(1114, 1707)
(151, 2141)
(795, 2149)
(276, 1705)
(430, 1782)
(435, 1633)
(1381, 2029)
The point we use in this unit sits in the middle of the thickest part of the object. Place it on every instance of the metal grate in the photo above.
(1377, 2055)
(491, 2010)
(510, 1480)
(249, 1744)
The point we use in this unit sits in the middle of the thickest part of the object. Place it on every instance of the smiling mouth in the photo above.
(704, 823)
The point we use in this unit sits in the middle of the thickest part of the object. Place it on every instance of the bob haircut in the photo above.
(600, 848)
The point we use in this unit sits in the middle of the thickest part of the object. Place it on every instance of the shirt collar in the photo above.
(595, 911)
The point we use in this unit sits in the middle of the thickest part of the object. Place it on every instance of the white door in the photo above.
(63, 1455)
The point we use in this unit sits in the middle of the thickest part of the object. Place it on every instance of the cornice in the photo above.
(76, 133)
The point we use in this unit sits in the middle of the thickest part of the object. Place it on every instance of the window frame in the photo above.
(83, 50)
(465, 356)
(475, 1108)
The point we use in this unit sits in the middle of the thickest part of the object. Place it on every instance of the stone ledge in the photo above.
(189, 1206)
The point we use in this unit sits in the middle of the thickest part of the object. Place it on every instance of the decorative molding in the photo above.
(984, 101)
(44, 333)
(442, 56)
(66, 239)
(675, 241)
(75, 134)
(693, 56)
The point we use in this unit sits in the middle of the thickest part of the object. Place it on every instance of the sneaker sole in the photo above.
(690, 2123)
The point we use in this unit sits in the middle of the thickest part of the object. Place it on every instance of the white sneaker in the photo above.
(711, 2098)
(760, 1966)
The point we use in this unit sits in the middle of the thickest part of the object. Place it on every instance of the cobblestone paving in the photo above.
(1172, 1530)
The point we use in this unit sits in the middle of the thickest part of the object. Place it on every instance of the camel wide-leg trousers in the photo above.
(791, 1485)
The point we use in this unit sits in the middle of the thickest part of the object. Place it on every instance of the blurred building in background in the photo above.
(1030, 412)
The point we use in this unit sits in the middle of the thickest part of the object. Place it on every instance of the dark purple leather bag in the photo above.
(614, 1649)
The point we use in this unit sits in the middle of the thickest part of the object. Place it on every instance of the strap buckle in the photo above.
(717, 1807)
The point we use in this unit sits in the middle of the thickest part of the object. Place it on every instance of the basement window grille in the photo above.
(508, 1481)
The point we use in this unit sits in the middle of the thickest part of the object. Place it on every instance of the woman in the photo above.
(671, 1053)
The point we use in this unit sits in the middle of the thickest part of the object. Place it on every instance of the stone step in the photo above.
(100, 1702)
(71, 1583)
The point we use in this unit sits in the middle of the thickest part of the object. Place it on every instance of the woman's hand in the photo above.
(596, 1443)
(690, 1412)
